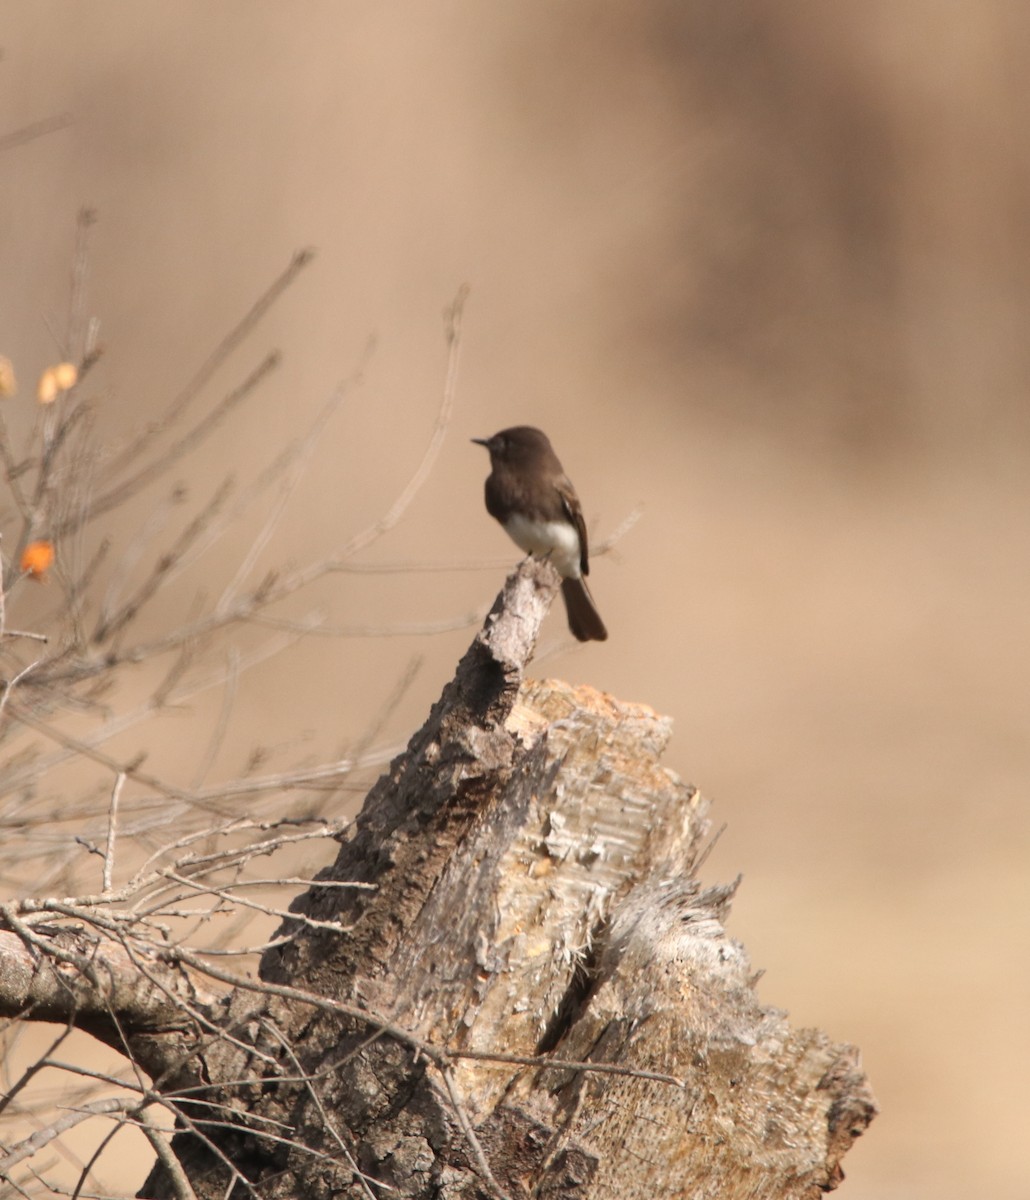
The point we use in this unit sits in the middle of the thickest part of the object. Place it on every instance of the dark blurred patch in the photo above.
(786, 271)
(814, 265)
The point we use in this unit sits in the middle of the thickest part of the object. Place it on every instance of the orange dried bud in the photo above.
(67, 375)
(46, 391)
(37, 558)
(56, 379)
(8, 383)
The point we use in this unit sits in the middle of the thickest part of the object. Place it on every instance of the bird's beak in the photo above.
(481, 442)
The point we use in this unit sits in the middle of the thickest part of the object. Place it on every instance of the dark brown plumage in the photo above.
(528, 492)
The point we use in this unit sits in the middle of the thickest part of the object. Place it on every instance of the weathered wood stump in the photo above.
(534, 906)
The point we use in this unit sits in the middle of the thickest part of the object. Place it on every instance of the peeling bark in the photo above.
(538, 998)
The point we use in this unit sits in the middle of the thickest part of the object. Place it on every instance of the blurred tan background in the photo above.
(764, 269)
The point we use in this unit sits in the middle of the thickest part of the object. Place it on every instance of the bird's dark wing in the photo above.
(570, 503)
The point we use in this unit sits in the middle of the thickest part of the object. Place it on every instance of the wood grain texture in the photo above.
(534, 896)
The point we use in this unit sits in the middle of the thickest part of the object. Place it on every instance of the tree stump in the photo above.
(534, 998)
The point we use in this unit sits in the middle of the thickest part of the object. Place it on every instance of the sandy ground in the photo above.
(766, 277)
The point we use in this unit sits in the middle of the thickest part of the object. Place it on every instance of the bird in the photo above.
(528, 492)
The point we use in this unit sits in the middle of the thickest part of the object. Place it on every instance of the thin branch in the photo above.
(156, 520)
(90, 1162)
(10, 684)
(327, 1122)
(77, 295)
(29, 1073)
(292, 465)
(218, 730)
(299, 918)
(78, 592)
(410, 566)
(37, 129)
(148, 874)
(397, 629)
(17, 779)
(42, 1137)
(13, 471)
(413, 567)
(299, 881)
(453, 318)
(285, 461)
(77, 746)
(560, 1064)
(470, 1135)
(122, 492)
(129, 455)
(235, 1175)
(173, 1168)
(106, 629)
(112, 830)
(439, 1055)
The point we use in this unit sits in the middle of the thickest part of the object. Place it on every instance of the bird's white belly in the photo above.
(557, 539)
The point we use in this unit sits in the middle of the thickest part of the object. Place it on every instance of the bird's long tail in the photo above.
(584, 619)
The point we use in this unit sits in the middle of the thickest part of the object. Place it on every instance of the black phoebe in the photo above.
(528, 491)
